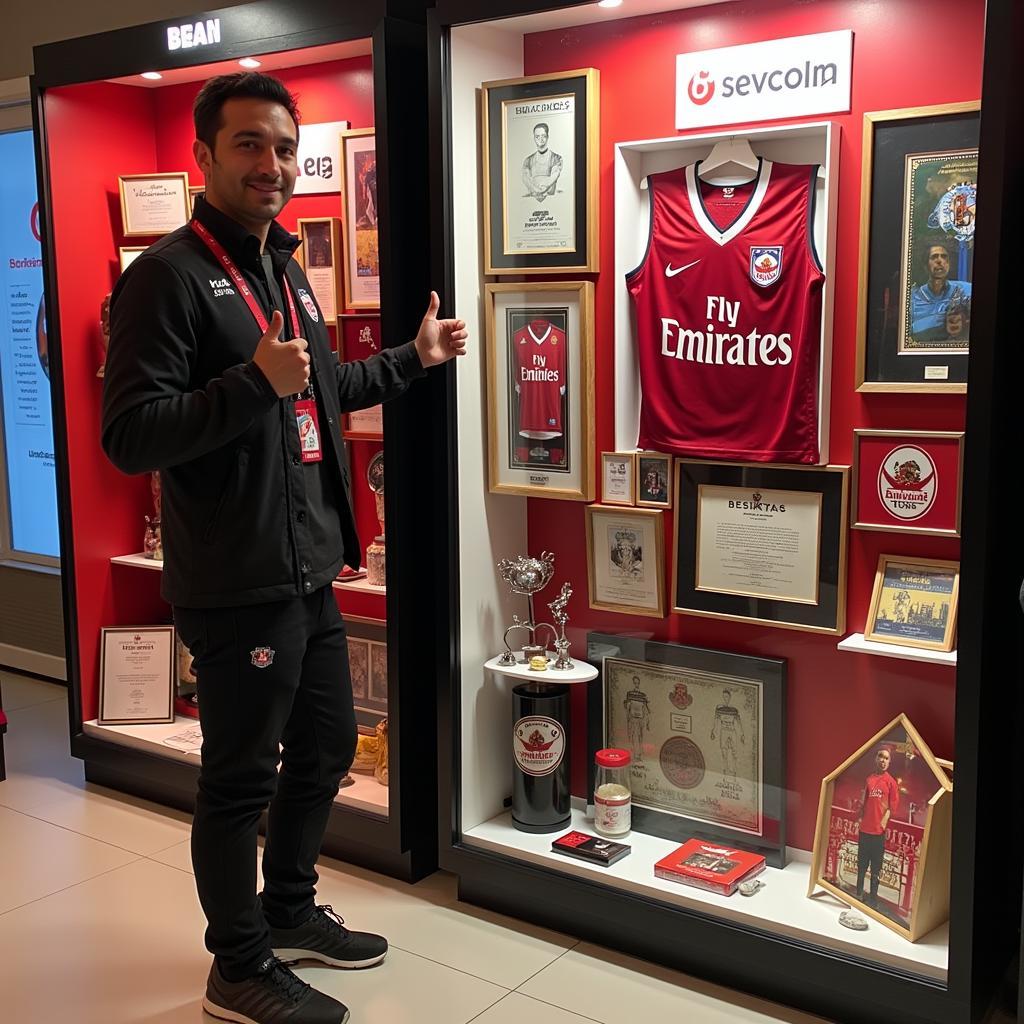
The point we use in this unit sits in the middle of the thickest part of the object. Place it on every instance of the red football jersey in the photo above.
(539, 353)
(728, 309)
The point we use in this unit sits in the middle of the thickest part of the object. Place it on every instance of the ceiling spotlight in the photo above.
(249, 62)
(609, 3)
(153, 76)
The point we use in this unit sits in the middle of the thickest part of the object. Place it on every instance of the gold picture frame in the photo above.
(618, 473)
(153, 205)
(625, 536)
(318, 257)
(128, 254)
(909, 626)
(359, 242)
(653, 492)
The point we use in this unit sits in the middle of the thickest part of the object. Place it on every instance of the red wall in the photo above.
(96, 132)
(902, 57)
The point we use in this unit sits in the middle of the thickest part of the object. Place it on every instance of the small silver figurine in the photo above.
(561, 617)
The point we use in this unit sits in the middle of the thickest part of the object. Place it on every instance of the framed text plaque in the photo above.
(617, 471)
(138, 667)
(128, 254)
(153, 204)
(319, 250)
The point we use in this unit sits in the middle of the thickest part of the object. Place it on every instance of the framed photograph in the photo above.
(626, 560)
(540, 389)
(706, 731)
(882, 841)
(617, 472)
(908, 481)
(358, 338)
(914, 603)
(918, 200)
(653, 480)
(540, 173)
(762, 543)
(361, 257)
(318, 257)
(128, 254)
(138, 673)
(368, 667)
(153, 204)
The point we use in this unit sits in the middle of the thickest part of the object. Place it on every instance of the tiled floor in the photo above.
(99, 921)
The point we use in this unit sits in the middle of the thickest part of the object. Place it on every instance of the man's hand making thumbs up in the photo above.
(285, 364)
(440, 340)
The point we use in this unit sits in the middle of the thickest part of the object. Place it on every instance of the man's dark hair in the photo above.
(936, 243)
(206, 111)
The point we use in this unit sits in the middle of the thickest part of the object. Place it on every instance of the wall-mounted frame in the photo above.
(914, 603)
(193, 192)
(361, 257)
(653, 480)
(626, 560)
(318, 256)
(698, 723)
(540, 139)
(368, 667)
(907, 481)
(918, 196)
(128, 254)
(760, 542)
(358, 338)
(153, 204)
(618, 471)
(540, 388)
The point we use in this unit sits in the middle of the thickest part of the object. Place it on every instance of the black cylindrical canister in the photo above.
(540, 756)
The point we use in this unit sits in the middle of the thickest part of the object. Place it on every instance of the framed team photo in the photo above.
(617, 472)
(540, 146)
(919, 201)
(361, 257)
(626, 560)
(914, 603)
(368, 667)
(653, 480)
(907, 481)
(318, 256)
(359, 338)
(540, 389)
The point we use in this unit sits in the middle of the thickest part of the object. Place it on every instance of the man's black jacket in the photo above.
(182, 396)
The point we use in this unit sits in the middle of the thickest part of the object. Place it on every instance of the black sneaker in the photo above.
(324, 937)
(272, 996)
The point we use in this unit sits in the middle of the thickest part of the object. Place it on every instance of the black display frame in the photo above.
(984, 918)
(404, 844)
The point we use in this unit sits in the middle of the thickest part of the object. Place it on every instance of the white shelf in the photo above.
(140, 561)
(856, 642)
(781, 907)
(361, 585)
(581, 672)
(366, 794)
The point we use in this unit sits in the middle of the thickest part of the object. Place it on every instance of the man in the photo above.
(938, 296)
(881, 800)
(728, 722)
(638, 718)
(542, 168)
(218, 356)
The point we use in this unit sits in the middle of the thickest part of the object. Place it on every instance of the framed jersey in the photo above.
(540, 342)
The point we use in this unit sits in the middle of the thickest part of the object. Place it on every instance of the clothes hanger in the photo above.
(730, 158)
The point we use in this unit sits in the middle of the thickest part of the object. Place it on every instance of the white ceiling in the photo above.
(588, 14)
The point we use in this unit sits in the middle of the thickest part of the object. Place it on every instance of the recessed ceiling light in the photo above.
(152, 75)
(609, 3)
(249, 62)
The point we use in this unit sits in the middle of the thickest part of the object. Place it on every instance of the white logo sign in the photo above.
(907, 482)
(193, 34)
(319, 157)
(538, 744)
(763, 81)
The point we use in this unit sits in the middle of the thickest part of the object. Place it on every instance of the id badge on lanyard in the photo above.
(305, 408)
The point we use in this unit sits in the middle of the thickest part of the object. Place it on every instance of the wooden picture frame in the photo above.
(541, 201)
(540, 389)
(895, 618)
(621, 575)
(318, 257)
(153, 205)
(893, 230)
(359, 245)
(367, 637)
(195, 191)
(128, 254)
(653, 491)
(914, 898)
(358, 338)
(618, 478)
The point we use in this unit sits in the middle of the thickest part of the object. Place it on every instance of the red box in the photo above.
(710, 866)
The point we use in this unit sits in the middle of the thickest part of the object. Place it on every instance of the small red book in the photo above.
(710, 866)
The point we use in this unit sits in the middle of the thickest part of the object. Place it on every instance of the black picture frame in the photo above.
(770, 673)
(828, 613)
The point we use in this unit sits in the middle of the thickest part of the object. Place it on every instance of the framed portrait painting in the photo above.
(540, 146)
(540, 389)
(653, 480)
(361, 256)
(919, 203)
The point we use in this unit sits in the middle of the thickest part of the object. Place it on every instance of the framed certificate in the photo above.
(128, 254)
(368, 668)
(706, 732)
(319, 259)
(617, 472)
(359, 337)
(626, 560)
(907, 481)
(540, 148)
(137, 675)
(153, 204)
(762, 542)
(653, 480)
(914, 603)
(361, 257)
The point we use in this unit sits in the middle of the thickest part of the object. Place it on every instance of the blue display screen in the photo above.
(24, 366)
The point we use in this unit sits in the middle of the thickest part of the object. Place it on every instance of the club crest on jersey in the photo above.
(307, 301)
(765, 264)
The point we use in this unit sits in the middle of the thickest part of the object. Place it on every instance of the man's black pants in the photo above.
(870, 853)
(273, 682)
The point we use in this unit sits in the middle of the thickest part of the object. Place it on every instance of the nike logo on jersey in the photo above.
(671, 271)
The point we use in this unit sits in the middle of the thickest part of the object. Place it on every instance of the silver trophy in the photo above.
(527, 576)
(561, 617)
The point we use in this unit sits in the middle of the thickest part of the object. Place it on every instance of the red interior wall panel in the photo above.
(836, 700)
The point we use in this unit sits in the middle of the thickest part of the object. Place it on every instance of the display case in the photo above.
(113, 122)
(861, 781)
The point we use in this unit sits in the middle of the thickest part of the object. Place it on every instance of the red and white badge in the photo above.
(309, 430)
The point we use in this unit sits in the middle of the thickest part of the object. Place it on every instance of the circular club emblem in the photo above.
(907, 482)
(538, 744)
(682, 762)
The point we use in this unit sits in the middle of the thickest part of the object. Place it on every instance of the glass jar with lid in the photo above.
(612, 795)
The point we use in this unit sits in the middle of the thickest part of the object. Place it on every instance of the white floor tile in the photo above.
(520, 1009)
(20, 691)
(611, 988)
(178, 856)
(37, 859)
